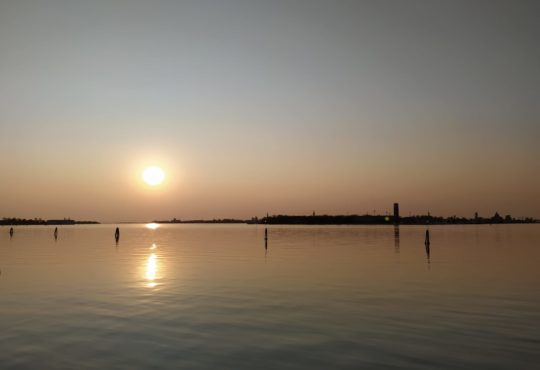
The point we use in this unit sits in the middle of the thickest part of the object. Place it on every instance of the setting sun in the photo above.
(153, 175)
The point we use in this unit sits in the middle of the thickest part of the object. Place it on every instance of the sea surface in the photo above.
(214, 297)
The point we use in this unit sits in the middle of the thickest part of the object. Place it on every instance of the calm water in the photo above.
(212, 297)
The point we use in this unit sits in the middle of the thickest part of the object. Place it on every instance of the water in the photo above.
(212, 297)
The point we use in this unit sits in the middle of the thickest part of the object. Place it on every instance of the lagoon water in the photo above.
(212, 297)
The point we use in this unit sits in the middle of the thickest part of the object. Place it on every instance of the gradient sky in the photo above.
(268, 106)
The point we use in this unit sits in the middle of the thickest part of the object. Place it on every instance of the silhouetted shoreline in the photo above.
(361, 220)
(39, 221)
(309, 220)
(213, 221)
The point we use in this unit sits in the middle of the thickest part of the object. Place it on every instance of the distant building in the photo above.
(497, 219)
(396, 213)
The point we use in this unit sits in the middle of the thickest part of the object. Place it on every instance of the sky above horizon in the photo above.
(286, 107)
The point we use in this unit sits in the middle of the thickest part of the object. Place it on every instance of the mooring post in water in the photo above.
(265, 233)
(11, 232)
(117, 234)
(55, 233)
(426, 242)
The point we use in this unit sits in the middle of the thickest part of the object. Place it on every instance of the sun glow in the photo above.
(153, 176)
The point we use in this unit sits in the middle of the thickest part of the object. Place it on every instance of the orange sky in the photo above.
(268, 107)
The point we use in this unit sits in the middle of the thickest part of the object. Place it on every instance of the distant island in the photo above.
(386, 220)
(366, 219)
(213, 221)
(313, 219)
(39, 221)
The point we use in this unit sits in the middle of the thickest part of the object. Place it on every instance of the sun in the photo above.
(153, 175)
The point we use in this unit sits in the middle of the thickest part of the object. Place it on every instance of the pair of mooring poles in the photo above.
(11, 232)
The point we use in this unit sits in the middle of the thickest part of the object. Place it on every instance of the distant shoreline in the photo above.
(316, 220)
(360, 220)
(38, 221)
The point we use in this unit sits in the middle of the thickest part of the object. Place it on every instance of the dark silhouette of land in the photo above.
(361, 220)
(366, 219)
(213, 221)
(314, 219)
(39, 221)
(386, 220)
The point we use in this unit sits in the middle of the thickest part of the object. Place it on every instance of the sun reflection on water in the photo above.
(151, 270)
(152, 226)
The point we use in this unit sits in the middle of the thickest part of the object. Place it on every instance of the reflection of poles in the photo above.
(55, 233)
(396, 238)
(117, 234)
(11, 232)
(266, 238)
(427, 244)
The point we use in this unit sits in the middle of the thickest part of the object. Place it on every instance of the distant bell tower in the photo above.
(396, 213)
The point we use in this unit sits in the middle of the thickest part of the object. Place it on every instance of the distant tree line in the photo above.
(359, 220)
(385, 220)
(212, 221)
(326, 220)
(39, 221)
(495, 219)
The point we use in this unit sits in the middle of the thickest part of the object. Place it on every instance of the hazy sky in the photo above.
(268, 106)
